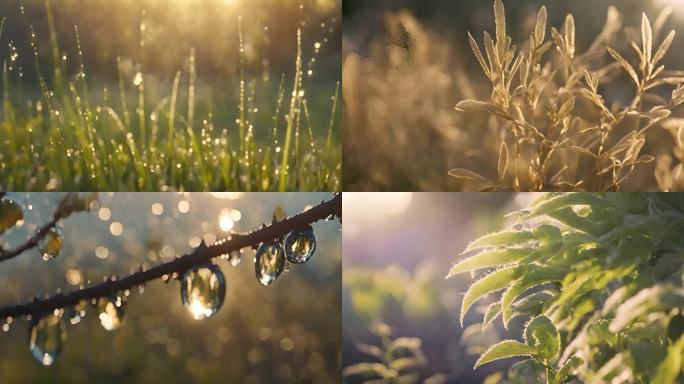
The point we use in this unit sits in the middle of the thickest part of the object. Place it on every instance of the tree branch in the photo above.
(200, 255)
(69, 204)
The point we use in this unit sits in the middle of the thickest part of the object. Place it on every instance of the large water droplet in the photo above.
(300, 245)
(111, 312)
(269, 262)
(46, 338)
(51, 244)
(203, 290)
(11, 213)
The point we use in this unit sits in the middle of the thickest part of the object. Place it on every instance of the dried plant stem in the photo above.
(202, 254)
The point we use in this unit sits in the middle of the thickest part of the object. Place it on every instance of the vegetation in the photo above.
(146, 133)
(554, 113)
(600, 276)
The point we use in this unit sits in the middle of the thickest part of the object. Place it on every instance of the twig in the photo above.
(200, 255)
(66, 207)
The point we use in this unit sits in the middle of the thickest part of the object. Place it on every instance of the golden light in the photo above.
(226, 222)
(198, 309)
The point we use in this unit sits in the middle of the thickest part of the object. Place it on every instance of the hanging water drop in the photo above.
(11, 213)
(300, 245)
(111, 312)
(269, 262)
(46, 338)
(203, 290)
(51, 244)
(235, 257)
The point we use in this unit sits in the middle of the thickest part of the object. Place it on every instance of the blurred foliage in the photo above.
(288, 332)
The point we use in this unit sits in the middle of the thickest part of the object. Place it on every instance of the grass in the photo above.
(547, 115)
(147, 135)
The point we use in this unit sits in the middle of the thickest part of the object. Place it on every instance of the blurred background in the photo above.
(397, 249)
(286, 332)
(156, 36)
(407, 63)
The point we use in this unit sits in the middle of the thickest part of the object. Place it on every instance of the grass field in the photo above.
(195, 127)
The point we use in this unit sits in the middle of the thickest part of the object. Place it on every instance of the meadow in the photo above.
(513, 97)
(164, 96)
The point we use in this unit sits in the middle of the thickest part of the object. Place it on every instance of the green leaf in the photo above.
(502, 238)
(368, 369)
(493, 311)
(533, 276)
(542, 335)
(669, 369)
(487, 259)
(566, 200)
(504, 350)
(564, 372)
(491, 283)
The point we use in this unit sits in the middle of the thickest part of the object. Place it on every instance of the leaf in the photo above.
(493, 311)
(565, 200)
(570, 34)
(367, 369)
(625, 65)
(664, 47)
(478, 55)
(504, 350)
(501, 238)
(646, 38)
(480, 106)
(500, 21)
(540, 27)
(466, 174)
(487, 259)
(669, 369)
(503, 161)
(533, 276)
(542, 335)
(567, 368)
(493, 282)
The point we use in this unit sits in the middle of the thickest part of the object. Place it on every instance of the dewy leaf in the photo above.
(500, 21)
(664, 47)
(478, 55)
(542, 335)
(646, 38)
(467, 174)
(487, 259)
(567, 368)
(570, 34)
(503, 161)
(534, 275)
(502, 238)
(540, 27)
(627, 67)
(493, 311)
(493, 282)
(566, 200)
(503, 350)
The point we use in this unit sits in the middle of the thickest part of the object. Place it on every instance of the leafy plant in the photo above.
(601, 276)
(560, 130)
(397, 359)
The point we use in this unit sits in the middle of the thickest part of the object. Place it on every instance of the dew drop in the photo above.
(11, 213)
(46, 338)
(111, 312)
(203, 290)
(269, 262)
(235, 258)
(300, 245)
(51, 244)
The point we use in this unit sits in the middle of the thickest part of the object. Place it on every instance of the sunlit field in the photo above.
(286, 332)
(530, 96)
(170, 95)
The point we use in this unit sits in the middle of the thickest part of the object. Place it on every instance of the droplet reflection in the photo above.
(46, 338)
(111, 312)
(300, 245)
(269, 262)
(51, 244)
(203, 290)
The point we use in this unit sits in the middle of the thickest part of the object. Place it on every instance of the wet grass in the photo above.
(145, 133)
